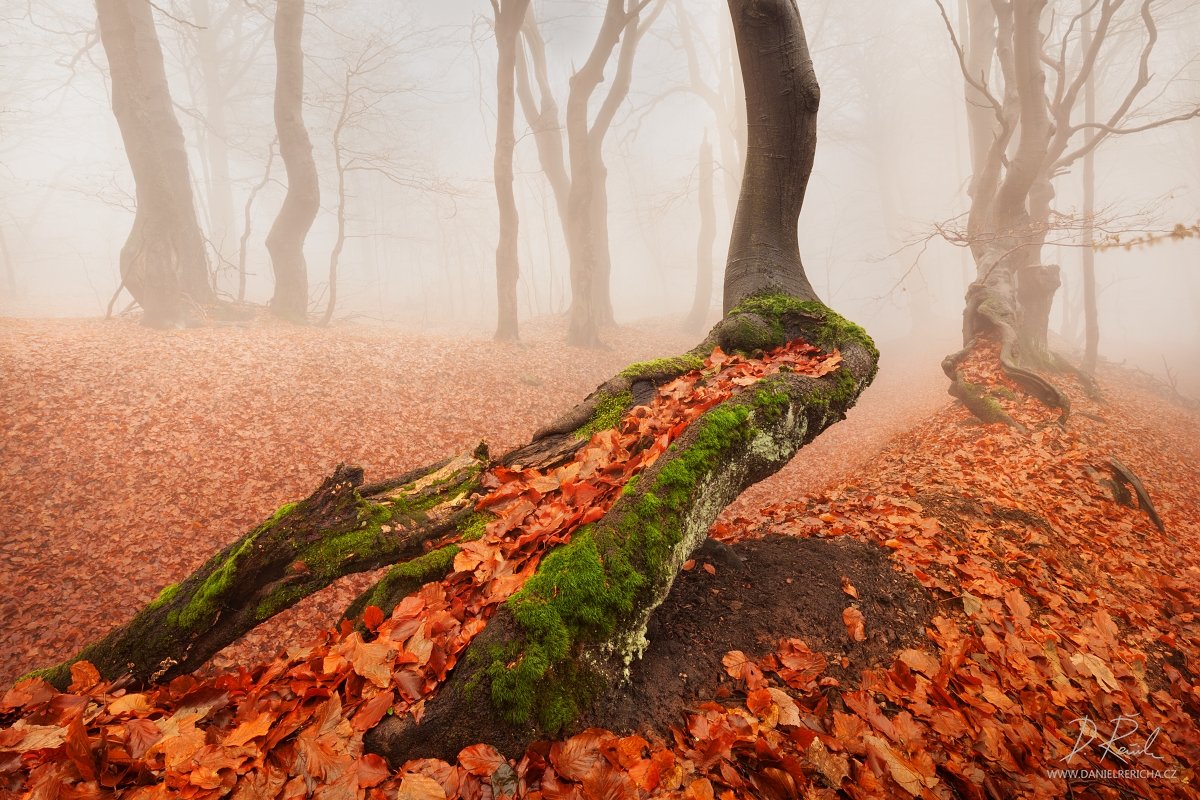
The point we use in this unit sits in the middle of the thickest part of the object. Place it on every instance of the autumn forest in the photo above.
(600, 399)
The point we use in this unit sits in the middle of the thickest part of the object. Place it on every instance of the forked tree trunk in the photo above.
(163, 262)
(510, 15)
(285, 242)
(702, 298)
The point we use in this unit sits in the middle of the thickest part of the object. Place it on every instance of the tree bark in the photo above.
(702, 297)
(163, 263)
(510, 15)
(285, 241)
(782, 96)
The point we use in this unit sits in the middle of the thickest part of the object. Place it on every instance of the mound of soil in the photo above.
(763, 591)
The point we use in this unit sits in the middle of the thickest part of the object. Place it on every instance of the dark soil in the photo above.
(764, 591)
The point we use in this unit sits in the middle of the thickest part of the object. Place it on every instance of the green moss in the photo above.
(403, 579)
(475, 526)
(279, 514)
(608, 413)
(830, 329)
(986, 408)
(675, 365)
(582, 589)
(771, 399)
(202, 605)
(1005, 392)
(165, 596)
(630, 486)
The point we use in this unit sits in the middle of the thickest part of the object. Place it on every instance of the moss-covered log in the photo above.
(342, 528)
(580, 621)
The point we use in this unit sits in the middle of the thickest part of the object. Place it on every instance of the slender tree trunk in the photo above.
(247, 219)
(285, 242)
(163, 263)
(216, 132)
(510, 14)
(1091, 322)
(702, 298)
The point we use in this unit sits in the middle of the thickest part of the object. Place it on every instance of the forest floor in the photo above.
(975, 593)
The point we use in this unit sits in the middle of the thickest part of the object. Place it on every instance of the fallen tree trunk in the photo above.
(341, 529)
(576, 627)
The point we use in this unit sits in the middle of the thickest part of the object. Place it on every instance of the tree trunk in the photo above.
(163, 262)
(219, 192)
(781, 106)
(702, 298)
(510, 14)
(285, 242)
(1091, 322)
(549, 650)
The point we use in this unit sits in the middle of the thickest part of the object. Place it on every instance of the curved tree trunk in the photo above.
(782, 95)
(510, 15)
(285, 242)
(163, 263)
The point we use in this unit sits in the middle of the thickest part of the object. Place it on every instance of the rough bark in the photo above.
(547, 651)
(510, 15)
(285, 241)
(163, 262)
(782, 96)
(702, 297)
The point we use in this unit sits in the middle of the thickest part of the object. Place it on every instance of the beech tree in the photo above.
(285, 241)
(1023, 84)
(509, 16)
(581, 194)
(575, 626)
(163, 263)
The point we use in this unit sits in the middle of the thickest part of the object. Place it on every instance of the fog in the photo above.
(893, 163)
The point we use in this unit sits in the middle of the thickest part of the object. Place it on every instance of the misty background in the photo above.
(414, 88)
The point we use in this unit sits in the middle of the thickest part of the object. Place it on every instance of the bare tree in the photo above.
(509, 16)
(285, 241)
(581, 194)
(1023, 135)
(163, 263)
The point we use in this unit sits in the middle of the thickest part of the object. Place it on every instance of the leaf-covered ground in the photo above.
(128, 456)
(1055, 604)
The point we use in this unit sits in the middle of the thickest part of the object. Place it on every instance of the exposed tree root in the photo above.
(1124, 475)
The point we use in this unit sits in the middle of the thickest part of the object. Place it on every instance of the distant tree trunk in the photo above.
(510, 15)
(247, 218)
(216, 132)
(1091, 321)
(581, 194)
(285, 241)
(163, 262)
(702, 298)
